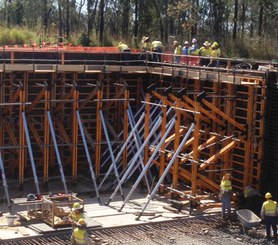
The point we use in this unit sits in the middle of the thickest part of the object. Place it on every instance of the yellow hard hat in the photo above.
(176, 42)
(227, 174)
(77, 205)
(215, 44)
(268, 195)
(206, 43)
(81, 222)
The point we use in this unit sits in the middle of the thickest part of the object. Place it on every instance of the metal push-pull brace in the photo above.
(122, 149)
(150, 197)
(57, 152)
(88, 155)
(137, 143)
(111, 151)
(5, 182)
(133, 160)
(148, 164)
(30, 153)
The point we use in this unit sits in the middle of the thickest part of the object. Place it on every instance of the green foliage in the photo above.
(16, 36)
(84, 40)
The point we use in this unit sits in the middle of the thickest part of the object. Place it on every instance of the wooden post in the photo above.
(163, 130)
(98, 130)
(22, 151)
(176, 144)
(146, 128)
(74, 131)
(46, 136)
(125, 127)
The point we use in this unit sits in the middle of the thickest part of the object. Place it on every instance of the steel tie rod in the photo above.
(167, 169)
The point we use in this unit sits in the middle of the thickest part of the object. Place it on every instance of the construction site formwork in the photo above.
(72, 116)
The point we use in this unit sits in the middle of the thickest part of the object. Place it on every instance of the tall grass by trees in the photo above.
(244, 28)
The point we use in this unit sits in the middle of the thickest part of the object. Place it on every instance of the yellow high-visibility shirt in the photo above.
(80, 236)
(76, 216)
(157, 44)
(205, 51)
(226, 185)
(269, 208)
(178, 50)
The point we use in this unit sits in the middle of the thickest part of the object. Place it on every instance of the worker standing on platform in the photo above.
(225, 194)
(205, 51)
(157, 49)
(177, 52)
(80, 235)
(194, 49)
(145, 48)
(269, 216)
(215, 54)
(77, 213)
(124, 50)
(186, 51)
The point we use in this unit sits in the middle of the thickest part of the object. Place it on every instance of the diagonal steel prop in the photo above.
(30, 153)
(122, 149)
(57, 151)
(150, 197)
(87, 154)
(111, 152)
(148, 164)
(131, 165)
(137, 140)
(2, 169)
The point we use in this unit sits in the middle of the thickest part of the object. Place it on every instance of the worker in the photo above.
(194, 49)
(124, 50)
(177, 52)
(215, 54)
(269, 216)
(186, 51)
(205, 51)
(145, 48)
(225, 194)
(77, 213)
(80, 235)
(252, 199)
(146, 44)
(157, 49)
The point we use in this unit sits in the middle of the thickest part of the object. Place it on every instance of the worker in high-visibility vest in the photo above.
(125, 51)
(146, 47)
(205, 51)
(79, 235)
(215, 54)
(194, 49)
(157, 48)
(269, 216)
(177, 52)
(225, 195)
(77, 213)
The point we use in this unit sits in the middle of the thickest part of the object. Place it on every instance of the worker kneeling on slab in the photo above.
(77, 213)
(269, 215)
(79, 235)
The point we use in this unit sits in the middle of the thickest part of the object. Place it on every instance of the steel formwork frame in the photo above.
(228, 119)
